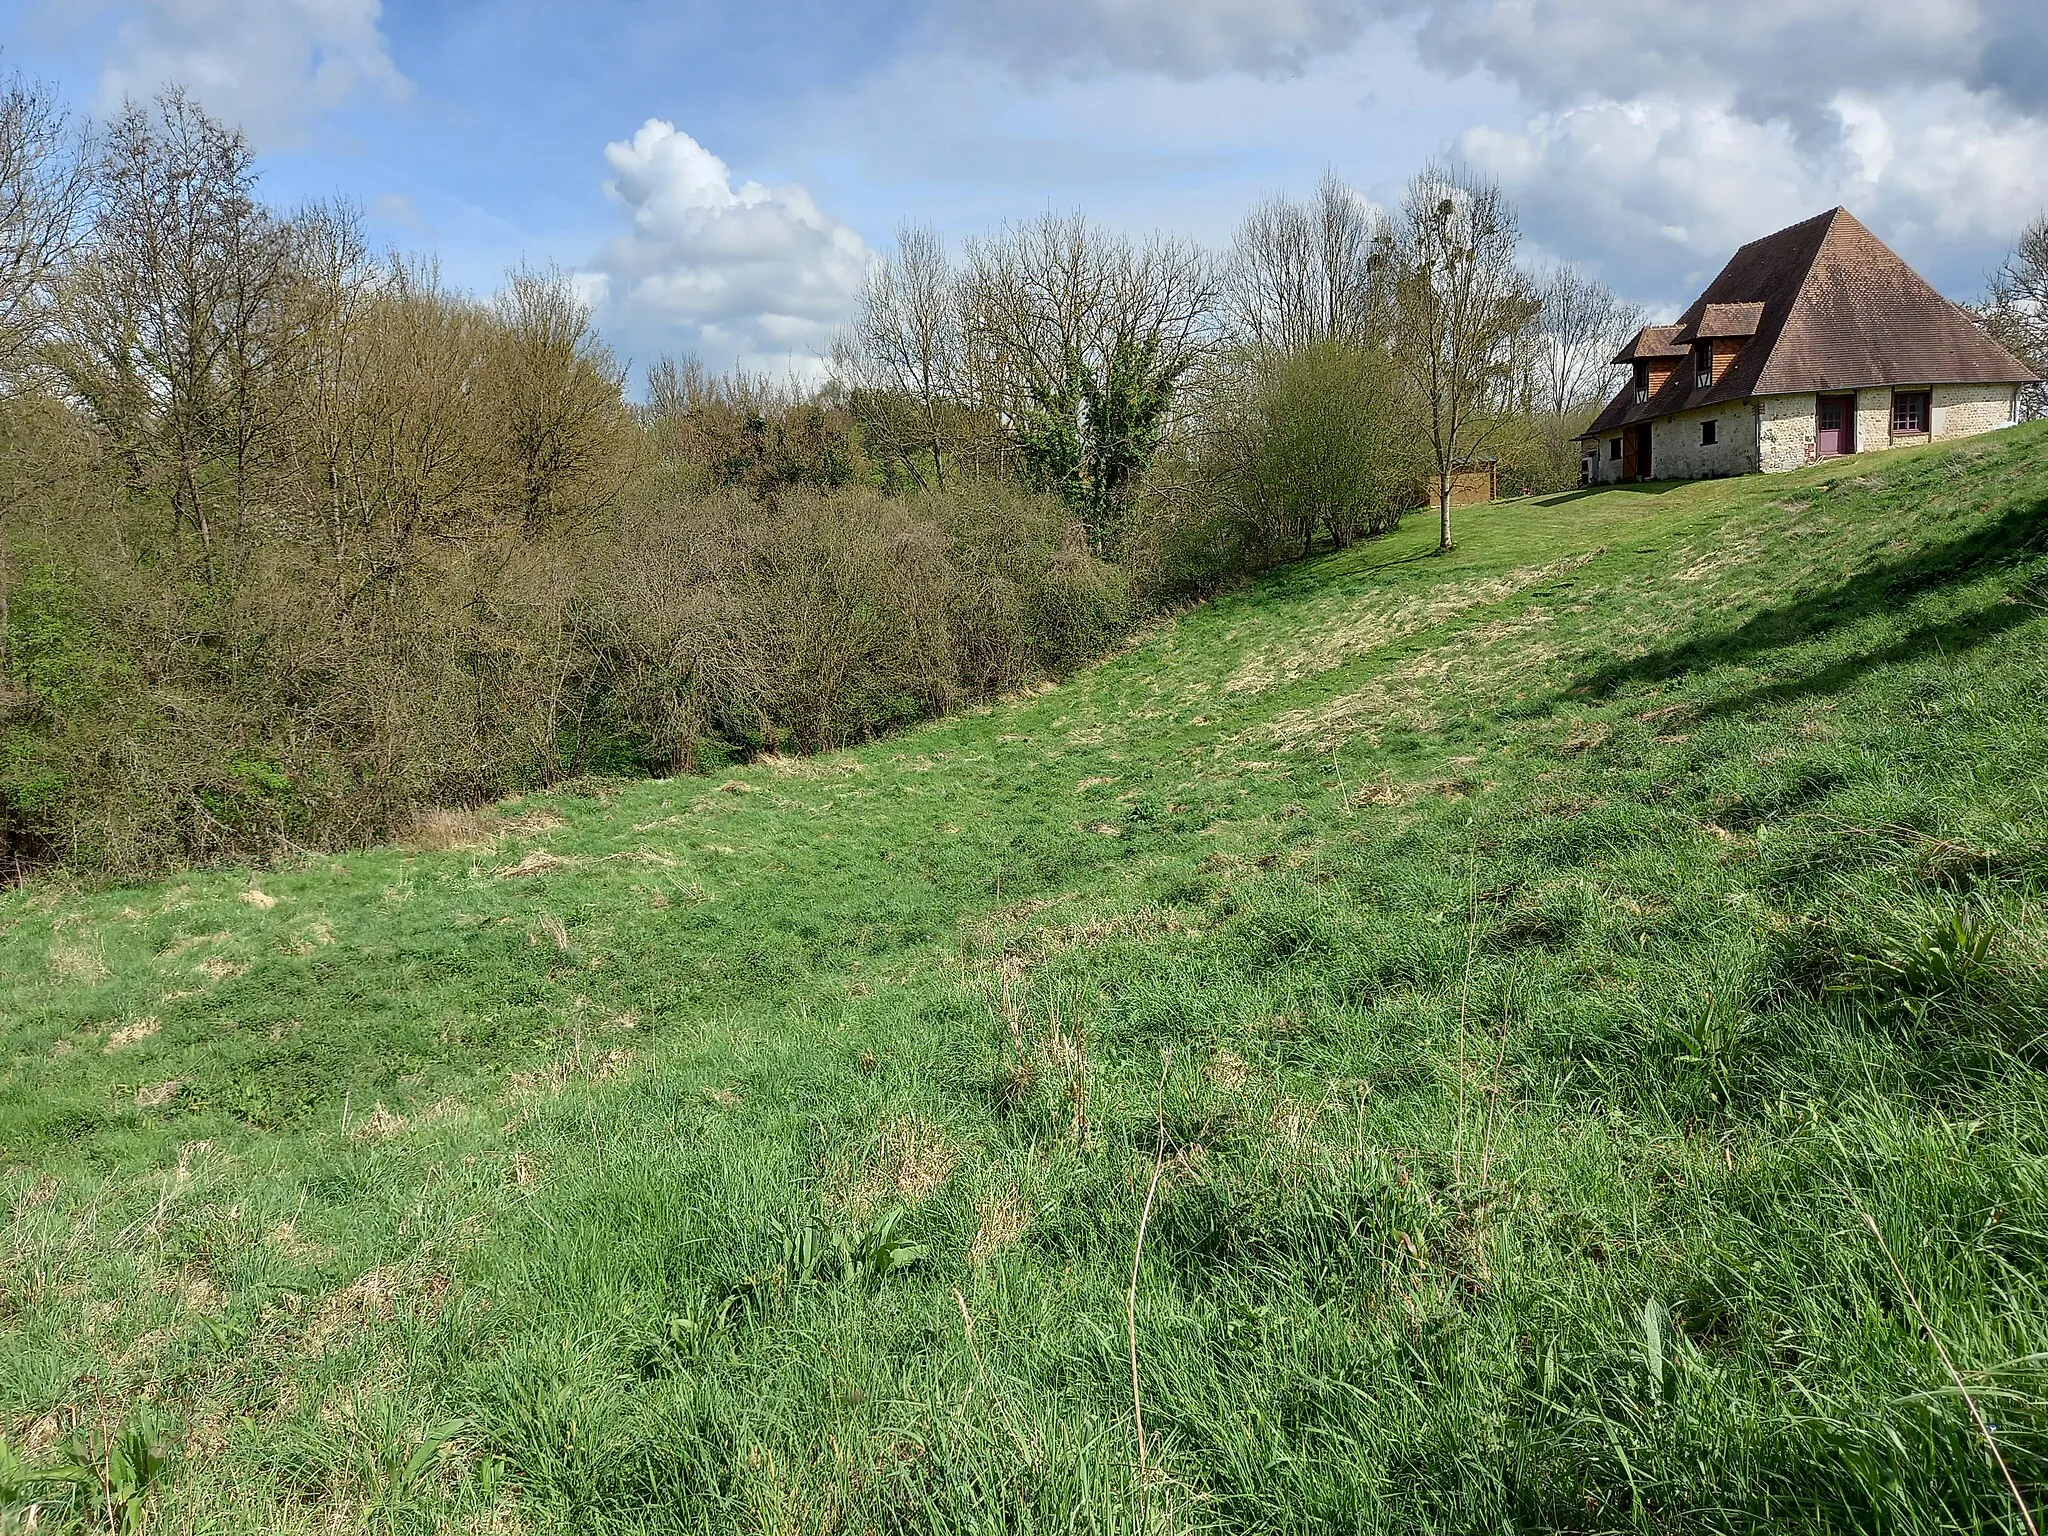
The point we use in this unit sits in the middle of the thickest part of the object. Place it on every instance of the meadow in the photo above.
(1543, 1037)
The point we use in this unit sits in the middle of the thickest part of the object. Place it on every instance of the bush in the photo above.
(154, 718)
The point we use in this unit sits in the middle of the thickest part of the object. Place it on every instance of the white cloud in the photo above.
(271, 67)
(1769, 58)
(1187, 39)
(1657, 191)
(1672, 130)
(753, 275)
(1669, 130)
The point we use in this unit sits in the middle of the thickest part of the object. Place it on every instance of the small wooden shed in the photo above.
(1473, 481)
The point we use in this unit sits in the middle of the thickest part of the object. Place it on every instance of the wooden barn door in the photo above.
(1644, 468)
(1836, 434)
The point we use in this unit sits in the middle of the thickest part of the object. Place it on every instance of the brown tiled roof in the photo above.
(1836, 309)
(1651, 341)
(1721, 321)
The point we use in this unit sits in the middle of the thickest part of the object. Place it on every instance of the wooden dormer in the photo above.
(1653, 355)
(1716, 341)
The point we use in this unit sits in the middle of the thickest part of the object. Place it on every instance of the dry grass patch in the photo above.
(1478, 664)
(538, 862)
(445, 829)
(379, 1125)
(129, 1034)
(1344, 626)
(1147, 922)
(81, 959)
(910, 1159)
(376, 1296)
(1001, 1221)
(540, 1082)
(1226, 1070)
(285, 1239)
(313, 936)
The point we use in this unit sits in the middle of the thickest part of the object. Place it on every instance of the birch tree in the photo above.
(1460, 307)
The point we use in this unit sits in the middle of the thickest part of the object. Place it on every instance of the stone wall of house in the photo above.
(1964, 410)
(1873, 419)
(1787, 432)
(1676, 452)
(1781, 432)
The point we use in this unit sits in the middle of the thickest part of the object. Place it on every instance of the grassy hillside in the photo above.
(1515, 977)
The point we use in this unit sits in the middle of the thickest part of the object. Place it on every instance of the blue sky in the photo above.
(719, 173)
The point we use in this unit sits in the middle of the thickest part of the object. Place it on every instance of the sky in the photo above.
(718, 176)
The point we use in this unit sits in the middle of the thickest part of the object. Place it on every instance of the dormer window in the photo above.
(1702, 364)
(1642, 383)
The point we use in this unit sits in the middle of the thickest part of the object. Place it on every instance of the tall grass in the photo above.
(680, 1156)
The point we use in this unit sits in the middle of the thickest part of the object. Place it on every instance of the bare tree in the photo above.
(557, 402)
(415, 459)
(2015, 310)
(1301, 272)
(1461, 307)
(180, 318)
(43, 183)
(905, 347)
(1077, 341)
(1581, 326)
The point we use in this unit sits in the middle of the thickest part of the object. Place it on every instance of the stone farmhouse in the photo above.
(1813, 342)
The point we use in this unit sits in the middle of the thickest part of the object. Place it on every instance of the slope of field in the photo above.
(1514, 978)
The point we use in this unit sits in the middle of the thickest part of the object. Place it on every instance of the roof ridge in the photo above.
(1833, 217)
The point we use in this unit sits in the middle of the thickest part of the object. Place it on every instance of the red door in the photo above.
(1837, 434)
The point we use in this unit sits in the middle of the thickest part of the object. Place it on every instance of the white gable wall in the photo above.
(1964, 410)
(1676, 452)
(1787, 431)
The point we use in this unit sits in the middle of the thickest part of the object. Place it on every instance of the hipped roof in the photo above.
(1831, 307)
(1651, 341)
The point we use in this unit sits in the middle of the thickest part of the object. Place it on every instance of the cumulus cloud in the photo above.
(1186, 39)
(1770, 59)
(747, 274)
(271, 67)
(1654, 192)
(1672, 131)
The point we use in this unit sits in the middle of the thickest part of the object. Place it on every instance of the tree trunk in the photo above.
(1443, 515)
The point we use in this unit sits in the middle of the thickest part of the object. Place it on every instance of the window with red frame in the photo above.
(1910, 412)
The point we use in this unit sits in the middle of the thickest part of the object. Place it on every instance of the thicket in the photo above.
(296, 541)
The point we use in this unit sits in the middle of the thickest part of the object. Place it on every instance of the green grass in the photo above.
(1525, 969)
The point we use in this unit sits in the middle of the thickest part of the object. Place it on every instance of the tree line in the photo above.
(1242, 407)
(297, 540)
